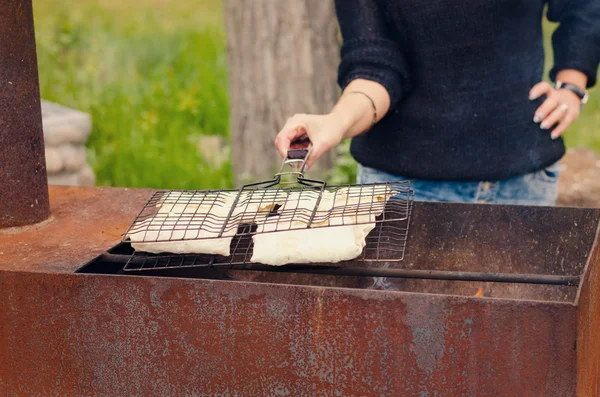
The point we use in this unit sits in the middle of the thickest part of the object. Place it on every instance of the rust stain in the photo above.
(171, 337)
(85, 222)
(21, 229)
(588, 327)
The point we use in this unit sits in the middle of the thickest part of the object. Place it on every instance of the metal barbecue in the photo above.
(232, 218)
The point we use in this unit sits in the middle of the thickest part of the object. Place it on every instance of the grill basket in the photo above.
(225, 222)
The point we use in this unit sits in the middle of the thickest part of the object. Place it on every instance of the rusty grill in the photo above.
(283, 333)
(172, 223)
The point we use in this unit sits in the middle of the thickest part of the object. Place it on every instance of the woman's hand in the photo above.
(351, 116)
(324, 132)
(560, 106)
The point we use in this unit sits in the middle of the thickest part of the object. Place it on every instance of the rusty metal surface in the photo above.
(508, 239)
(87, 221)
(588, 327)
(74, 335)
(23, 180)
(488, 238)
(530, 292)
(90, 334)
(84, 223)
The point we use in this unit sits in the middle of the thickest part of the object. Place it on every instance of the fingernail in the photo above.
(554, 136)
(532, 97)
(537, 118)
(544, 126)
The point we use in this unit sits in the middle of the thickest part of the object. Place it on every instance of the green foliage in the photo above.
(153, 76)
(345, 169)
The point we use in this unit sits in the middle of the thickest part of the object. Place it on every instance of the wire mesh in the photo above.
(216, 228)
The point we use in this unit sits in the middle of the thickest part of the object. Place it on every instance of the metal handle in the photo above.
(297, 157)
(297, 154)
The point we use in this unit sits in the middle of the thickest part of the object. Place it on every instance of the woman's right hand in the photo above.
(324, 132)
(351, 116)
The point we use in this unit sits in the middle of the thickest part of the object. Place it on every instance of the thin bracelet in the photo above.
(372, 103)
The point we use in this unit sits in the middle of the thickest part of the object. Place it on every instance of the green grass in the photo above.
(153, 76)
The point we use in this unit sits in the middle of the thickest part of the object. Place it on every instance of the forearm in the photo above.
(572, 76)
(576, 40)
(354, 112)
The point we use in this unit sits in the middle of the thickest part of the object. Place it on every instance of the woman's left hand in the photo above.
(560, 106)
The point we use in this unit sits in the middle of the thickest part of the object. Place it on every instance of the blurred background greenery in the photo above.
(153, 76)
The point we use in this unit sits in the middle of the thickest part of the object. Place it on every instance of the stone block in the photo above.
(54, 162)
(86, 176)
(64, 125)
(83, 177)
(64, 179)
(66, 132)
(73, 157)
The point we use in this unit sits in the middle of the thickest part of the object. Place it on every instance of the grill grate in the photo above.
(232, 217)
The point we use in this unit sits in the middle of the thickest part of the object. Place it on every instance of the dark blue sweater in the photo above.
(459, 74)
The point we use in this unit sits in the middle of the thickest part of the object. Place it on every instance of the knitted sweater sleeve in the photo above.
(368, 51)
(576, 41)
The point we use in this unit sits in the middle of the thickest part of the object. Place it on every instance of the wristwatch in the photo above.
(582, 94)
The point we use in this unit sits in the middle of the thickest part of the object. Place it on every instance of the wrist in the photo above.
(581, 93)
(572, 76)
(353, 114)
(339, 124)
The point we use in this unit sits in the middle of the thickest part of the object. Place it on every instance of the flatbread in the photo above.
(338, 233)
(192, 223)
(192, 227)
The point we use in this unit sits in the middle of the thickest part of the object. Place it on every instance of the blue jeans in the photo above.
(536, 189)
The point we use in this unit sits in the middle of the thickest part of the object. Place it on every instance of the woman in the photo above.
(448, 95)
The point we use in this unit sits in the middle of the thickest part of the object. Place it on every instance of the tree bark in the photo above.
(283, 58)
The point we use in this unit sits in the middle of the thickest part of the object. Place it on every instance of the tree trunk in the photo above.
(283, 58)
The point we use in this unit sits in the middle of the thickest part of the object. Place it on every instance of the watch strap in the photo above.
(582, 94)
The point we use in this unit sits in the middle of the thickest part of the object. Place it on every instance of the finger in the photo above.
(282, 139)
(555, 116)
(564, 124)
(546, 108)
(317, 151)
(287, 135)
(319, 148)
(282, 144)
(539, 89)
(313, 156)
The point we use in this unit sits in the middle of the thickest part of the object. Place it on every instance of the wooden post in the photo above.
(283, 58)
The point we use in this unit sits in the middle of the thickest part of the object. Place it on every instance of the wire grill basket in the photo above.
(179, 228)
